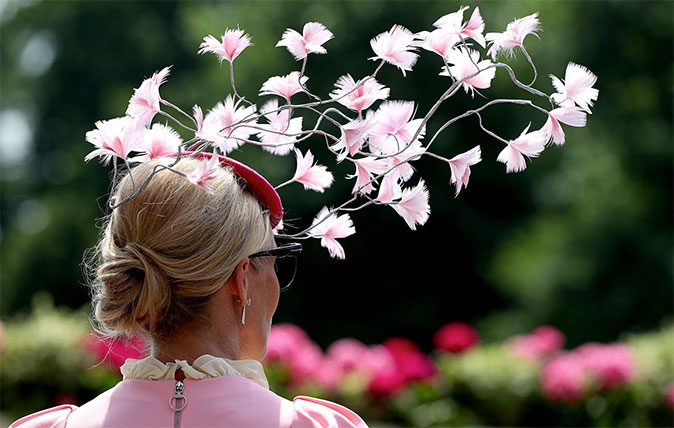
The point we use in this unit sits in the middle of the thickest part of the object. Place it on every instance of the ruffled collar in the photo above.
(203, 367)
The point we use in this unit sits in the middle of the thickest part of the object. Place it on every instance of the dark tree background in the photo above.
(581, 240)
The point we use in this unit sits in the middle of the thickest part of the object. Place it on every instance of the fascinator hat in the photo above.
(252, 181)
(380, 138)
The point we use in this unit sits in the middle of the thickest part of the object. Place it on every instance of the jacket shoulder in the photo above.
(314, 412)
(54, 417)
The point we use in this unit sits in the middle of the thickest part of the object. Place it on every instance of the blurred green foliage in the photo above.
(44, 362)
(581, 240)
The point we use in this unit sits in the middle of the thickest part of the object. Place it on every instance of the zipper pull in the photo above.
(179, 404)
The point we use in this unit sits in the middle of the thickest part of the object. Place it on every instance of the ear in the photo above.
(238, 283)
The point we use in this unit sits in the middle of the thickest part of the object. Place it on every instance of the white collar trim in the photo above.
(203, 367)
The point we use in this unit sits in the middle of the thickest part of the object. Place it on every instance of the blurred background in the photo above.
(581, 240)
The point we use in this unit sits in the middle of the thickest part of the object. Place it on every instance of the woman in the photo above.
(193, 272)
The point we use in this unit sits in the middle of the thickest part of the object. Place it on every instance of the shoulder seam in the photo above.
(44, 412)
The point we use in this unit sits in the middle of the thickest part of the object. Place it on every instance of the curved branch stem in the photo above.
(231, 80)
(155, 170)
(531, 62)
(478, 110)
(163, 113)
(179, 110)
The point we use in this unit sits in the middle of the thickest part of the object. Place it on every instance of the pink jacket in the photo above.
(224, 401)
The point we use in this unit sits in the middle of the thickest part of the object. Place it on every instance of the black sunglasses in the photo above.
(285, 263)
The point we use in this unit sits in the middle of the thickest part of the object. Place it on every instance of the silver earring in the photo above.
(243, 312)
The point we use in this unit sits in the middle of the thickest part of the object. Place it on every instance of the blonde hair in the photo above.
(166, 250)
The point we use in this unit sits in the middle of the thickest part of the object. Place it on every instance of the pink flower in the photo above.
(353, 357)
(284, 86)
(568, 376)
(359, 95)
(460, 167)
(115, 352)
(396, 46)
(285, 341)
(530, 144)
(571, 116)
(541, 343)
(312, 176)
(455, 337)
(160, 140)
(371, 367)
(314, 34)
(376, 359)
(514, 35)
(365, 167)
(206, 170)
(347, 353)
(610, 365)
(281, 132)
(564, 378)
(453, 24)
(393, 128)
(228, 125)
(409, 365)
(330, 227)
(115, 137)
(387, 381)
(464, 69)
(145, 102)
(353, 137)
(306, 363)
(351, 363)
(290, 346)
(414, 364)
(232, 44)
(669, 396)
(413, 206)
(577, 87)
(350, 357)
(329, 375)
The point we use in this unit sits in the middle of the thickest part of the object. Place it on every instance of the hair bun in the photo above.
(154, 298)
(137, 292)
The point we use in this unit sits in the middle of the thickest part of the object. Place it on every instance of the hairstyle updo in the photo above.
(165, 251)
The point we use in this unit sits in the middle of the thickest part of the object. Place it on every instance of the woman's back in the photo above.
(224, 401)
(195, 273)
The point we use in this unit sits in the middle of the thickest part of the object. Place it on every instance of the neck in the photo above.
(190, 345)
(219, 337)
(188, 349)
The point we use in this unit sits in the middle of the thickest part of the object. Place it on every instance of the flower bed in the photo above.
(528, 380)
(51, 357)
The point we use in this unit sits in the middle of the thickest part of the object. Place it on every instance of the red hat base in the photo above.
(253, 182)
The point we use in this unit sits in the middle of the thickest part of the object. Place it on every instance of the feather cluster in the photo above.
(381, 137)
